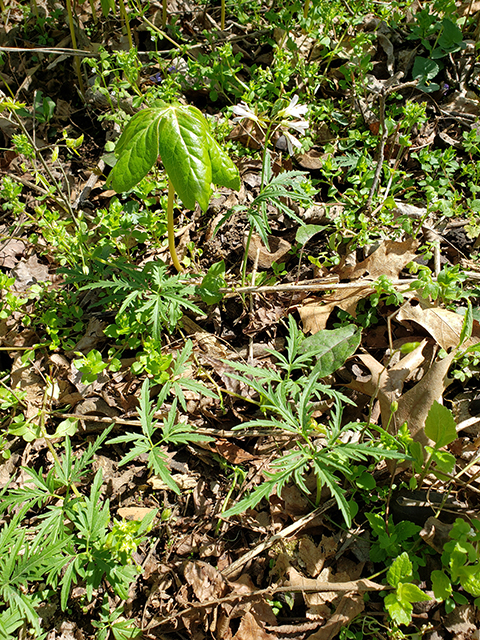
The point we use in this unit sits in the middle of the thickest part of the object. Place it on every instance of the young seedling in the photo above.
(191, 156)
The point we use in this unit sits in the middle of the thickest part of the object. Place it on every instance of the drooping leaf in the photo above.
(191, 157)
(440, 425)
(137, 150)
(209, 290)
(332, 347)
(408, 592)
(400, 612)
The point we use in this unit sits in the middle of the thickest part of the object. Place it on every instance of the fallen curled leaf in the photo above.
(207, 583)
(250, 629)
(279, 248)
(442, 324)
(315, 315)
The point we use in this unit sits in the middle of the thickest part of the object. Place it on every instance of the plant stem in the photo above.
(171, 227)
(306, 6)
(123, 13)
(164, 14)
(222, 16)
(74, 45)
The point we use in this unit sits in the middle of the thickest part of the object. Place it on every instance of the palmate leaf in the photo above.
(191, 156)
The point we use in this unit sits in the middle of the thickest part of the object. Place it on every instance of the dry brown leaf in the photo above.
(29, 272)
(443, 325)
(389, 259)
(279, 248)
(233, 453)
(388, 383)
(413, 406)
(312, 556)
(9, 250)
(349, 607)
(314, 315)
(207, 583)
(249, 629)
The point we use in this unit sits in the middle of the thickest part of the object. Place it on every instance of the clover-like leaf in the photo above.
(191, 156)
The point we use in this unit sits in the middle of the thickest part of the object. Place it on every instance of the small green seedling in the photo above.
(191, 156)
(399, 602)
(461, 562)
(440, 427)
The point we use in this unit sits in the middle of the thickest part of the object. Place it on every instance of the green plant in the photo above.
(155, 434)
(286, 400)
(90, 365)
(446, 288)
(170, 371)
(393, 539)
(461, 562)
(149, 300)
(399, 602)
(190, 155)
(112, 623)
(69, 542)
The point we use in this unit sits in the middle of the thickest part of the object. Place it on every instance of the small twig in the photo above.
(288, 531)
(323, 286)
(381, 151)
(309, 585)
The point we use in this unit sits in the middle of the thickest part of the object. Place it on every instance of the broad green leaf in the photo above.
(332, 348)
(67, 427)
(408, 592)
(307, 231)
(441, 585)
(137, 150)
(400, 570)
(400, 612)
(470, 580)
(377, 523)
(440, 425)
(190, 155)
(424, 69)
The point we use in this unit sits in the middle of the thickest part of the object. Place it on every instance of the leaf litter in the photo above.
(289, 564)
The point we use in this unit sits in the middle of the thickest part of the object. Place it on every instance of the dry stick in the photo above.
(323, 286)
(288, 531)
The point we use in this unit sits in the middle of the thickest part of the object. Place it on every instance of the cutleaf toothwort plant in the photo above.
(287, 397)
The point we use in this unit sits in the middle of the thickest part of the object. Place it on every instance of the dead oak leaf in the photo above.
(443, 325)
(389, 259)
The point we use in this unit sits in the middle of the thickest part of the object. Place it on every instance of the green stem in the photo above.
(245, 256)
(164, 14)
(171, 227)
(74, 45)
(222, 16)
(123, 13)
(306, 6)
